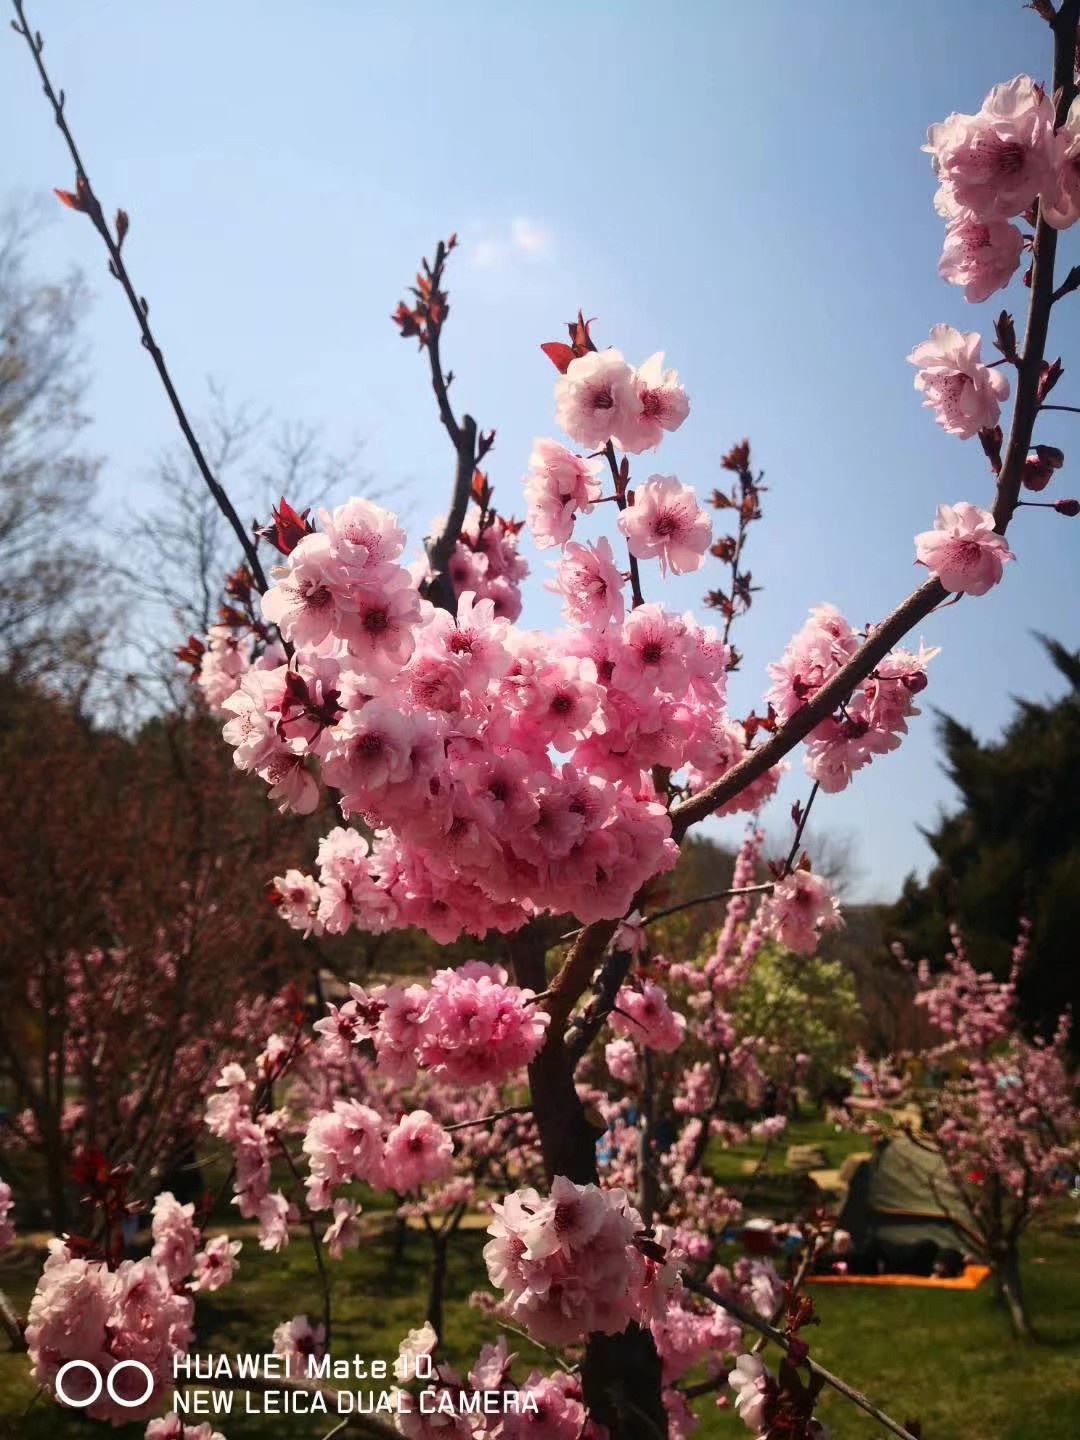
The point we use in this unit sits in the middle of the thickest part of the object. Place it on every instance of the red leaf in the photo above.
(70, 199)
(559, 354)
(288, 527)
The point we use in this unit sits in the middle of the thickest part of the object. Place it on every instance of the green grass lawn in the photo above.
(946, 1357)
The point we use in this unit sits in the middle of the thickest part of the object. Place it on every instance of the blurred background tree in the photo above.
(1012, 848)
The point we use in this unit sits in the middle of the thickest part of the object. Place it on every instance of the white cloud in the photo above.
(522, 239)
(529, 237)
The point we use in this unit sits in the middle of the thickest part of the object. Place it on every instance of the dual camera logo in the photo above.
(108, 1384)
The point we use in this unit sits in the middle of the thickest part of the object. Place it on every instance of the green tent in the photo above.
(904, 1194)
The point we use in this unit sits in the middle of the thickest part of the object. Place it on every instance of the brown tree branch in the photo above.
(580, 965)
(754, 1322)
(86, 200)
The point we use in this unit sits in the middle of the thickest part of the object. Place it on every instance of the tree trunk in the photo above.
(621, 1375)
(437, 1287)
(1008, 1291)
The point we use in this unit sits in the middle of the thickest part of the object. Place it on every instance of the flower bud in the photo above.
(1067, 507)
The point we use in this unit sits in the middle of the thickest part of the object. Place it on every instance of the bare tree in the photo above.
(177, 553)
(51, 610)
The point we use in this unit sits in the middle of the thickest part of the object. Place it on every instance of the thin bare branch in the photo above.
(754, 1322)
(87, 201)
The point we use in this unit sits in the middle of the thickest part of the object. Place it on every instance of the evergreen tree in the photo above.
(1012, 849)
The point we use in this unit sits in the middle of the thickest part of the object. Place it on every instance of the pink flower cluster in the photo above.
(966, 394)
(477, 824)
(800, 909)
(690, 1333)
(964, 550)
(486, 563)
(176, 1247)
(567, 1264)
(351, 1141)
(297, 1340)
(600, 398)
(252, 1138)
(642, 1013)
(750, 1381)
(666, 522)
(81, 1310)
(993, 166)
(7, 1226)
(873, 720)
(469, 1027)
(171, 1427)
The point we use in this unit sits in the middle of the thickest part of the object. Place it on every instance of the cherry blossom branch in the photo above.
(580, 965)
(316, 1245)
(85, 200)
(918, 605)
(730, 550)
(620, 500)
(803, 816)
(761, 889)
(487, 1119)
(425, 321)
(753, 1322)
(585, 1030)
(795, 1285)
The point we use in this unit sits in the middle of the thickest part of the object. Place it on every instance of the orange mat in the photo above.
(971, 1279)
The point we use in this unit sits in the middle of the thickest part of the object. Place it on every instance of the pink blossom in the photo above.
(800, 908)
(342, 1144)
(980, 255)
(83, 1311)
(367, 749)
(171, 1427)
(811, 659)
(591, 584)
(343, 1233)
(769, 1129)
(567, 1265)
(996, 162)
(417, 1150)
(596, 398)
(222, 666)
(305, 602)
(363, 537)
(963, 550)
(275, 1214)
(215, 1264)
(622, 1061)
(292, 785)
(380, 624)
(1060, 203)
(749, 1380)
(417, 1343)
(296, 896)
(653, 654)
(298, 1341)
(665, 520)
(644, 1015)
(7, 1227)
(175, 1237)
(475, 1027)
(548, 1414)
(965, 393)
(559, 485)
(662, 405)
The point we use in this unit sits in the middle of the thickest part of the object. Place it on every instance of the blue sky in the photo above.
(737, 184)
